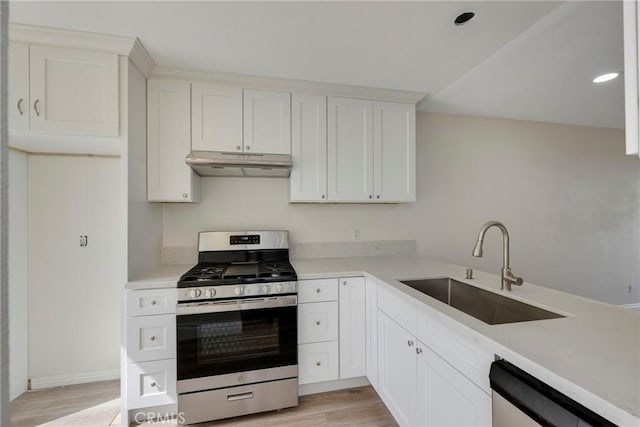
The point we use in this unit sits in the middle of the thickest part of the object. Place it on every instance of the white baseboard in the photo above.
(37, 383)
(635, 306)
(331, 386)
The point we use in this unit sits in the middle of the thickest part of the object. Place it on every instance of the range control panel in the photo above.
(253, 239)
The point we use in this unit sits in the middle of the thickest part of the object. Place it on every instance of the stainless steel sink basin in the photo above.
(487, 306)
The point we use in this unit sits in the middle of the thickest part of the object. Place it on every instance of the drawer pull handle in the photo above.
(239, 396)
(153, 302)
(318, 291)
(318, 363)
(418, 350)
(318, 323)
(20, 101)
(410, 343)
(35, 107)
(152, 338)
(153, 384)
(344, 283)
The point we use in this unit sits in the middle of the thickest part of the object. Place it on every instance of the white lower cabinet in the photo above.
(151, 383)
(396, 369)
(352, 327)
(420, 388)
(445, 397)
(318, 362)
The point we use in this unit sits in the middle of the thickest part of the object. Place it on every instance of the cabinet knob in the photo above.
(185, 195)
(318, 323)
(152, 338)
(410, 343)
(378, 196)
(318, 291)
(153, 302)
(237, 147)
(344, 283)
(246, 147)
(35, 107)
(153, 384)
(20, 102)
(418, 350)
(318, 363)
(370, 196)
(323, 196)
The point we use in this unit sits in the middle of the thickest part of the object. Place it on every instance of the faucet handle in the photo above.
(512, 279)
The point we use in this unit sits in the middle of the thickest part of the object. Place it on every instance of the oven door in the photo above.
(224, 337)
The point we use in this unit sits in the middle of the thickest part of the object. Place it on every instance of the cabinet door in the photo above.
(352, 327)
(394, 152)
(73, 91)
(631, 17)
(169, 179)
(267, 122)
(18, 98)
(308, 182)
(350, 150)
(371, 324)
(397, 369)
(445, 396)
(216, 118)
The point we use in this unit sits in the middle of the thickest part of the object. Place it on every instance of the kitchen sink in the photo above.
(484, 305)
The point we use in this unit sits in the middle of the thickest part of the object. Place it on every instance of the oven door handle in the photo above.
(236, 305)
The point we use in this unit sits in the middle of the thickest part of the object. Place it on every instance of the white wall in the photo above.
(74, 292)
(568, 195)
(18, 279)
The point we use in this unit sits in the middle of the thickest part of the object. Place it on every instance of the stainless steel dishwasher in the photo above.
(522, 400)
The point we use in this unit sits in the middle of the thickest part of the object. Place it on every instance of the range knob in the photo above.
(211, 293)
(239, 290)
(266, 289)
(278, 287)
(195, 293)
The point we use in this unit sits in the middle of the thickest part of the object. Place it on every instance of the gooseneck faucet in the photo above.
(506, 275)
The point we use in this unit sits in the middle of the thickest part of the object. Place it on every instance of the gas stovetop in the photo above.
(239, 264)
(212, 274)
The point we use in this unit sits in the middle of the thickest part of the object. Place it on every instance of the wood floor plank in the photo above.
(98, 405)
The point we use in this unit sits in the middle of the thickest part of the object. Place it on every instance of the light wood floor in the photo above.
(98, 405)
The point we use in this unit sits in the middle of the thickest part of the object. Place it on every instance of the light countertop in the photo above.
(592, 355)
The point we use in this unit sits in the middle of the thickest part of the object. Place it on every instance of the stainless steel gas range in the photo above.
(237, 327)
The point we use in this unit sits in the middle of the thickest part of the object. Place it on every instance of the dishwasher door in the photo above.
(522, 400)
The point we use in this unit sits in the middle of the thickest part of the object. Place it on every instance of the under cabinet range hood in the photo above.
(219, 163)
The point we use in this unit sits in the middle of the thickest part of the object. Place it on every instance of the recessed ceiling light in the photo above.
(605, 77)
(463, 18)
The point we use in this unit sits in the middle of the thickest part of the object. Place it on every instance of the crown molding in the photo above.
(122, 45)
(289, 85)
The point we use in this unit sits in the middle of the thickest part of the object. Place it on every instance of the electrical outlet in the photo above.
(355, 234)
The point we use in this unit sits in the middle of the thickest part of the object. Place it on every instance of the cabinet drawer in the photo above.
(151, 337)
(152, 301)
(397, 307)
(317, 290)
(317, 322)
(318, 362)
(151, 383)
(460, 350)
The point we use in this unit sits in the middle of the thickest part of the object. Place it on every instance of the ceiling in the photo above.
(525, 60)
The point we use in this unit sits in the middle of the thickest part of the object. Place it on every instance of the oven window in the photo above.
(228, 342)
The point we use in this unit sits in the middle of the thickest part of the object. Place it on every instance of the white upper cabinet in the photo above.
(18, 98)
(73, 91)
(394, 152)
(631, 12)
(350, 150)
(216, 118)
(308, 181)
(267, 122)
(352, 327)
(169, 179)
